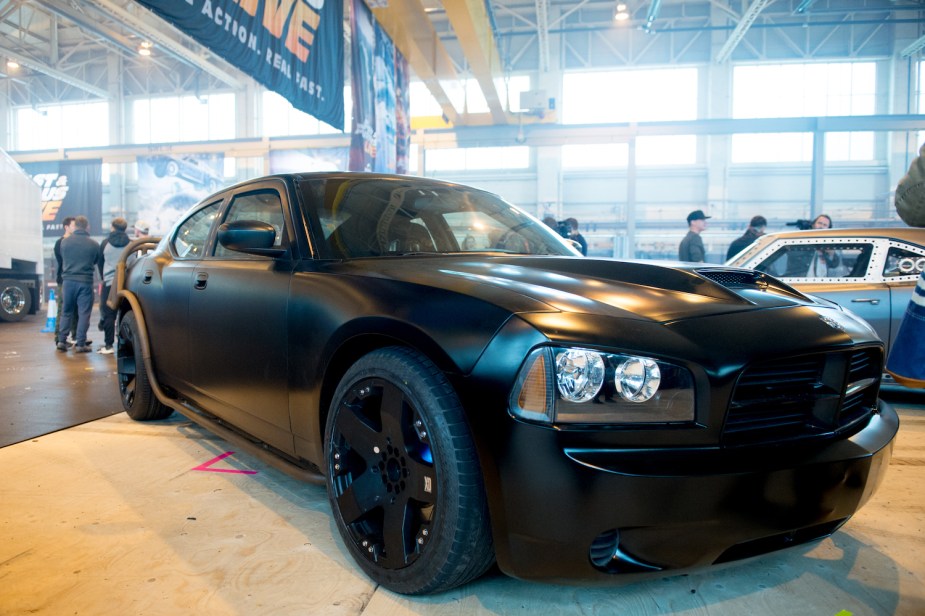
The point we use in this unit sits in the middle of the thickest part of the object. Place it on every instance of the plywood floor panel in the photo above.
(113, 517)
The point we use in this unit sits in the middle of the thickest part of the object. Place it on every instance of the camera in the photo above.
(801, 224)
(564, 229)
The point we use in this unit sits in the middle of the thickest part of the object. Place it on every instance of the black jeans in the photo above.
(107, 318)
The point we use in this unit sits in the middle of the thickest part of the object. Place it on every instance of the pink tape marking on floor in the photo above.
(207, 466)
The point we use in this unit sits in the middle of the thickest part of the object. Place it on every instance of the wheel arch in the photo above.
(363, 336)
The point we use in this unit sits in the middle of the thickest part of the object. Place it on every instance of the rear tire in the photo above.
(403, 475)
(135, 390)
(15, 300)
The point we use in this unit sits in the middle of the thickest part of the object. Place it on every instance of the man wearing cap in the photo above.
(755, 230)
(691, 248)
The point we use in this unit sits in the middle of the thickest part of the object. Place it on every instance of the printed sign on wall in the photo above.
(69, 188)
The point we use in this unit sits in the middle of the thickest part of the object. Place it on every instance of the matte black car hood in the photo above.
(608, 288)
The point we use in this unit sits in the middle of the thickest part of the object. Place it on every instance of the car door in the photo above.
(842, 270)
(238, 323)
(162, 283)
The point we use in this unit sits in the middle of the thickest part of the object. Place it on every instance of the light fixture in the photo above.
(145, 48)
(622, 14)
(13, 64)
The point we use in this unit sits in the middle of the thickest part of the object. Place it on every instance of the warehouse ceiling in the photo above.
(90, 49)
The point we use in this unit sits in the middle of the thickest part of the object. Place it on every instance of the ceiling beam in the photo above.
(913, 47)
(54, 73)
(471, 23)
(146, 31)
(751, 14)
(89, 24)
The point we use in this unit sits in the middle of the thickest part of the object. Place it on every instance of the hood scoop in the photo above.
(739, 280)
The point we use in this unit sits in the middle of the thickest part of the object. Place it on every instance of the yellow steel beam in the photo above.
(470, 21)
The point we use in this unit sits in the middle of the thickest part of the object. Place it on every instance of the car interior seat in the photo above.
(407, 236)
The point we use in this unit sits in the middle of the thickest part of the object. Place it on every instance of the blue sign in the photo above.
(293, 47)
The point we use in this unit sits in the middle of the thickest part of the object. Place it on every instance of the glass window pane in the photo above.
(667, 150)
(461, 159)
(595, 156)
(849, 146)
(803, 90)
(772, 147)
(649, 95)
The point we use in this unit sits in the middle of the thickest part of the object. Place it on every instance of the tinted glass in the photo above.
(371, 217)
(189, 241)
(818, 260)
(264, 206)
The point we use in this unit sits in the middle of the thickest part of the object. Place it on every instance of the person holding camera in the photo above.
(824, 261)
(574, 234)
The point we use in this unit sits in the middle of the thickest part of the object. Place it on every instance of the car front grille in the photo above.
(806, 396)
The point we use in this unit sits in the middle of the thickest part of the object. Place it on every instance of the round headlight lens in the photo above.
(637, 379)
(579, 374)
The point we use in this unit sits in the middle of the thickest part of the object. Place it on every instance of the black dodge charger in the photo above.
(471, 390)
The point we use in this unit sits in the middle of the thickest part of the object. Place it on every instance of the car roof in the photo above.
(913, 235)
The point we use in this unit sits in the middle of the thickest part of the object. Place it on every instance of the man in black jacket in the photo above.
(79, 256)
(68, 225)
(755, 230)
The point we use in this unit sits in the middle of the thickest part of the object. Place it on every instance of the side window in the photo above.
(265, 206)
(818, 261)
(902, 262)
(189, 242)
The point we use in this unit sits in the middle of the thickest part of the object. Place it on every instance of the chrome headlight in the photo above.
(579, 374)
(574, 385)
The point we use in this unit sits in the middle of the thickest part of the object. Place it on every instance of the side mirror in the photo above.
(251, 237)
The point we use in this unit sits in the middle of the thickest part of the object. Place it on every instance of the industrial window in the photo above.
(281, 119)
(168, 119)
(72, 125)
(470, 159)
(640, 95)
(650, 151)
(803, 90)
(466, 95)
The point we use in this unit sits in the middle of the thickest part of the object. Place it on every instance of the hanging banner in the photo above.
(402, 113)
(69, 188)
(363, 48)
(293, 47)
(381, 126)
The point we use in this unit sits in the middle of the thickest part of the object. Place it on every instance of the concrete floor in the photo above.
(112, 516)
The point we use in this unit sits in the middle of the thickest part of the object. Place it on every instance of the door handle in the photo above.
(201, 279)
(866, 300)
(148, 276)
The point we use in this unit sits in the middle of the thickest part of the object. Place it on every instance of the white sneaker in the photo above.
(106, 350)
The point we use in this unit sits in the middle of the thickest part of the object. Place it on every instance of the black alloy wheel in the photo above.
(403, 477)
(138, 398)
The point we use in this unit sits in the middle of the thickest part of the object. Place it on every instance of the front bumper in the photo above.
(563, 513)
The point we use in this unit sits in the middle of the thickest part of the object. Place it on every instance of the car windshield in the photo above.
(371, 217)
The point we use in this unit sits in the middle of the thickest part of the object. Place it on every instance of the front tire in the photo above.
(403, 476)
(135, 390)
